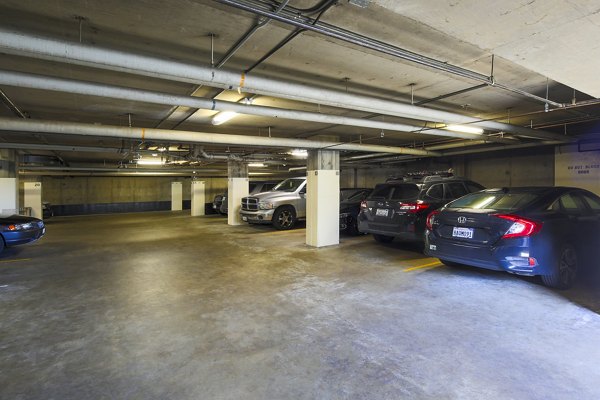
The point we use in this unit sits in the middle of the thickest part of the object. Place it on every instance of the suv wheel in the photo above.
(284, 218)
(383, 238)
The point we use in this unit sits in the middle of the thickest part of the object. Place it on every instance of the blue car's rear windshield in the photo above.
(494, 201)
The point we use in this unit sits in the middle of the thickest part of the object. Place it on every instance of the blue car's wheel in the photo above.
(565, 269)
(1, 244)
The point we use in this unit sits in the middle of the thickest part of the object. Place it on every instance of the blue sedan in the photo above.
(18, 229)
(552, 232)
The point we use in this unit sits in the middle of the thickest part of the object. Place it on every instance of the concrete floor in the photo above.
(164, 306)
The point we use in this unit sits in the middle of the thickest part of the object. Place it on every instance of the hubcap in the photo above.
(568, 266)
(285, 218)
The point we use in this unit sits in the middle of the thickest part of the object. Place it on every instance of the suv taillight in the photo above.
(414, 207)
(520, 227)
(363, 204)
(430, 220)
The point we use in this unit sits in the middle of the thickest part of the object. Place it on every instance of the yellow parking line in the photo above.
(432, 265)
(15, 260)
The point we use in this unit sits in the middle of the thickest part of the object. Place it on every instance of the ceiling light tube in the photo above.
(464, 129)
(222, 117)
(299, 153)
(257, 165)
(146, 161)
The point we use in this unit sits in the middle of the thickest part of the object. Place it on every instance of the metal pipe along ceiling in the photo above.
(23, 44)
(263, 9)
(71, 128)
(95, 89)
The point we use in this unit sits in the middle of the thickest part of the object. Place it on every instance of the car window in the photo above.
(592, 202)
(495, 201)
(395, 192)
(569, 204)
(401, 192)
(457, 189)
(289, 185)
(361, 195)
(473, 187)
(436, 192)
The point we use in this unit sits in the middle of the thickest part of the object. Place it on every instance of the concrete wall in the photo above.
(82, 195)
(95, 190)
(494, 169)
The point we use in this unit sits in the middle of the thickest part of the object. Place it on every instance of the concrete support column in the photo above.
(176, 196)
(32, 198)
(237, 187)
(323, 198)
(9, 182)
(198, 198)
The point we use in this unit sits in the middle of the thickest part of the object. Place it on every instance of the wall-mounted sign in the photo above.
(577, 169)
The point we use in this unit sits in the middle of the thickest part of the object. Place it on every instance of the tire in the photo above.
(383, 238)
(284, 218)
(1, 244)
(450, 263)
(564, 270)
(352, 227)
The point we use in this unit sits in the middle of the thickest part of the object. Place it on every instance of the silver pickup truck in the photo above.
(282, 206)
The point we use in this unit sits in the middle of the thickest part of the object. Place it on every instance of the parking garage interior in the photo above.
(121, 121)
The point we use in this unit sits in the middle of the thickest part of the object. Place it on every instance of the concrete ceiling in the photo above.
(538, 48)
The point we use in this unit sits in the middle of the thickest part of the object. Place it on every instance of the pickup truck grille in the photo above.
(249, 203)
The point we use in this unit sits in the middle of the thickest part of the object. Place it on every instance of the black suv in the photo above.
(399, 207)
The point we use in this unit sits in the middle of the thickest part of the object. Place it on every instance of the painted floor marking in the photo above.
(15, 260)
(429, 265)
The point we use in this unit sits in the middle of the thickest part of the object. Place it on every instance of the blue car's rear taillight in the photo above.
(520, 226)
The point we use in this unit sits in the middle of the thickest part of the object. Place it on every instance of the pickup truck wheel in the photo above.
(284, 218)
(383, 238)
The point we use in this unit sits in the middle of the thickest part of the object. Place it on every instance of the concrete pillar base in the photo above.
(323, 199)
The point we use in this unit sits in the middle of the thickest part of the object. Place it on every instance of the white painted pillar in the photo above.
(198, 198)
(8, 196)
(237, 187)
(176, 196)
(9, 189)
(323, 198)
(32, 197)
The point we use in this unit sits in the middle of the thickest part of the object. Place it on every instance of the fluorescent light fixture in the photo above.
(299, 153)
(222, 117)
(257, 165)
(150, 161)
(464, 129)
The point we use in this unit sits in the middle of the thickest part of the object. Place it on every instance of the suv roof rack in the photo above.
(424, 176)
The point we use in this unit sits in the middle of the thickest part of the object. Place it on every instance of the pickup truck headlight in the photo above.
(265, 205)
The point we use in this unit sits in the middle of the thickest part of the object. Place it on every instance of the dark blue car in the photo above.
(18, 229)
(553, 232)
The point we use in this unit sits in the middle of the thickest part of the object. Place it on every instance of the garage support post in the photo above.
(176, 196)
(323, 198)
(9, 182)
(198, 198)
(237, 187)
(32, 198)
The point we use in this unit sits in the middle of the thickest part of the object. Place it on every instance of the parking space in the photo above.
(158, 305)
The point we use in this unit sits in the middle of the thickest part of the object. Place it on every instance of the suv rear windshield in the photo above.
(400, 191)
(495, 201)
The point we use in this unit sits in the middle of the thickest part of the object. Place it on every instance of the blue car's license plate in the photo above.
(462, 232)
